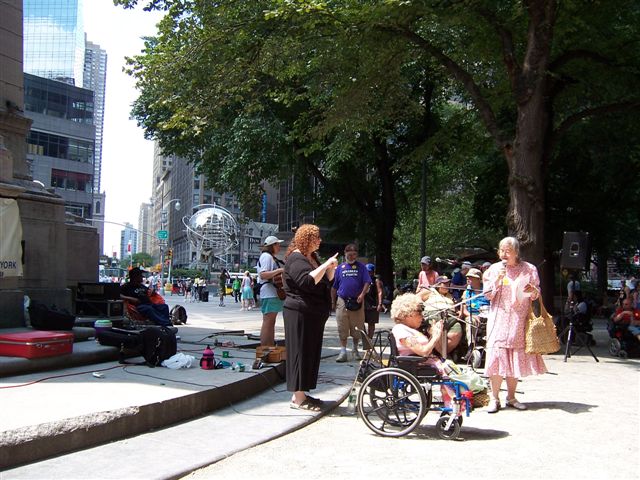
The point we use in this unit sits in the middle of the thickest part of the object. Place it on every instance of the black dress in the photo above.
(306, 310)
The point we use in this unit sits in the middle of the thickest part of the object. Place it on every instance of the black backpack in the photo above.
(158, 344)
(178, 315)
(155, 344)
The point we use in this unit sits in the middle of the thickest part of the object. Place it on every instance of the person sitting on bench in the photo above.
(137, 294)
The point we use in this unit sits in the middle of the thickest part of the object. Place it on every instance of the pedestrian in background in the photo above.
(510, 286)
(236, 287)
(307, 283)
(247, 291)
(224, 277)
(350, 285)
(427, 275)
(373, 300)
(459, 281)
(269, 275)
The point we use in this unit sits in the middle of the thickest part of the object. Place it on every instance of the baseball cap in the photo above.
(426, 260)
(136, 270)
(465, 264)
(474, 272)
(371, 267)
(270, 240)
(442, 279)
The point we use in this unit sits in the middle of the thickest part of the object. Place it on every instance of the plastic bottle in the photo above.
(207, 362)
(351, 405)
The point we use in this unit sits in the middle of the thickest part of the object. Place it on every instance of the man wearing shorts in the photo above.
(350, 285)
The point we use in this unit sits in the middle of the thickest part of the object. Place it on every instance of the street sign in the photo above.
(163, 234)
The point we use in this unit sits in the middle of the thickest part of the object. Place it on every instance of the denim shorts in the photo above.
(270, 305)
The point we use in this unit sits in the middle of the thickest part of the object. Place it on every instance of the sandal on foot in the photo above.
(317, 401)
(513, 403)
(306, 405)
(494, 406)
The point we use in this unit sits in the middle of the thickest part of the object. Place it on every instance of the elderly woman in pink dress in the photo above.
(510, 286)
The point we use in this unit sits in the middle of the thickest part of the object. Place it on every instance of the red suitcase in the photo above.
(35, 344)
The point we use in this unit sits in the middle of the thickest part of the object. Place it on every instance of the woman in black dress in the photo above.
(306, 309)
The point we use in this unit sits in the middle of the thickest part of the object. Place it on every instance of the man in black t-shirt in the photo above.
(136, 293)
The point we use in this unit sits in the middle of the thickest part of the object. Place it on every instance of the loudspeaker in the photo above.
(576, 251)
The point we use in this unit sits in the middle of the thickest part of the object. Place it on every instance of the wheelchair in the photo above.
(397, 392)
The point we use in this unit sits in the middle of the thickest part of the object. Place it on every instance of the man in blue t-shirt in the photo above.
(350, 285)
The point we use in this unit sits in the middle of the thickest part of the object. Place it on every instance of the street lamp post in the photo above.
(163, 242)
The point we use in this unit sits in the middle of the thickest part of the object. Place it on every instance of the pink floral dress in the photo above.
(507, 321)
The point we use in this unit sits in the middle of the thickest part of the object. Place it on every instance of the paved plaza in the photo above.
(582, 422)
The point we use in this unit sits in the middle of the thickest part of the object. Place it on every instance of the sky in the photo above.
(127, 158)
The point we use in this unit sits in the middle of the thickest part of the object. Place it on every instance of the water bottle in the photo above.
(351, 405)
(207, 362)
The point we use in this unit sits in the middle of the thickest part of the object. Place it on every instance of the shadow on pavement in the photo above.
(428, 432)
(569, 407)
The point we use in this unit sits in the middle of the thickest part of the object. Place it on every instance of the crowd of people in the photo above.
(307, 289)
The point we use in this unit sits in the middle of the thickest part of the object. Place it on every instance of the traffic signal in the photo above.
(170, 253)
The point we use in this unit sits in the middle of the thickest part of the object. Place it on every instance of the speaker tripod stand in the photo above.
(580, 338)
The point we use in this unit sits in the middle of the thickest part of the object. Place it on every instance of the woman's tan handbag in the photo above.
(541, 336)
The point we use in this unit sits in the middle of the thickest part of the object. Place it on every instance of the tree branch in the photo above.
(459, 73)
(508, 48)
(592, 112)
(578, 54)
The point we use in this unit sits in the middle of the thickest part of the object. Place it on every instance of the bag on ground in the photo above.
(178, 315)
(158, 344)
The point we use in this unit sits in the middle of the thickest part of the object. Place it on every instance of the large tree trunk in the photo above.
(525, 217)
(386, 222)
(529, 154)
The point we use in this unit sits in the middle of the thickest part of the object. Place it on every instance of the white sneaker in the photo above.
(342, 357)
(356, 355)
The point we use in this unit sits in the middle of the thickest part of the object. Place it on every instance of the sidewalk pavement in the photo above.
(222, 411)
(171, 452)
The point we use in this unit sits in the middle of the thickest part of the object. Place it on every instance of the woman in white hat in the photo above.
(270, 278)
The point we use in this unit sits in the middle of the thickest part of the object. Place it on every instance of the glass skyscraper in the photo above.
(54, 40)
(95, 79)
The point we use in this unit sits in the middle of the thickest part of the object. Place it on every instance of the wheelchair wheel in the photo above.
(446, 414)
(392, 402)
(454, 429)
(614, 347)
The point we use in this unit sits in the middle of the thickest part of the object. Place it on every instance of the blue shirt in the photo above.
(475, 304)
(350, 279)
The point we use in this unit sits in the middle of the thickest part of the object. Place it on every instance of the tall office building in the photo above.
(56, 49)
(145, 229)
(54, 40)
(95, 79)
(60, 144)
(128, 241)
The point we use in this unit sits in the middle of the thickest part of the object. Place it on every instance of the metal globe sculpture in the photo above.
(211, 230)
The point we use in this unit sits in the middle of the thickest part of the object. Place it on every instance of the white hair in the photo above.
(511, 242)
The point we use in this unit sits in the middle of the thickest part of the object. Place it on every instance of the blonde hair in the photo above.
(511, 242)
(406, 305)
(306, 235)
